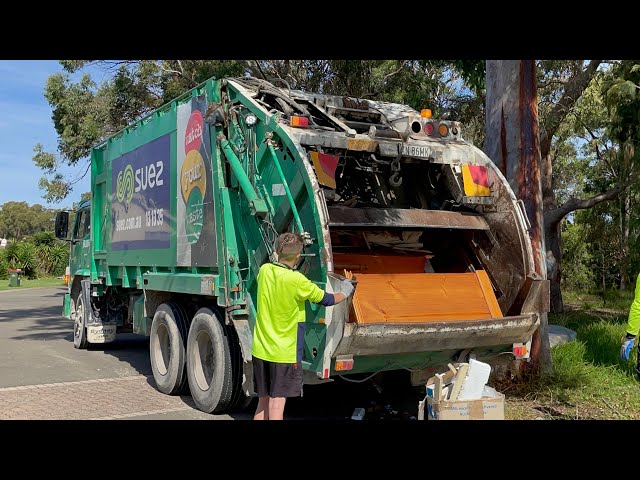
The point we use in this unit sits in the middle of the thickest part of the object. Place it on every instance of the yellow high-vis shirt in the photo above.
(278, 334)
(633, 324)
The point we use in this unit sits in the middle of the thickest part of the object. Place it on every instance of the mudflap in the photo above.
(66, 306)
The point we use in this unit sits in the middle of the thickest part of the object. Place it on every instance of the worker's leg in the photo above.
(286, 381)
(261, 383)
(638, 359)
(262, 412)
(276, 408)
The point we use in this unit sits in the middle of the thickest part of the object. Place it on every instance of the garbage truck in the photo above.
(187, 203)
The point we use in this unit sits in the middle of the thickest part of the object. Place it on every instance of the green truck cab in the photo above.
(186, 205)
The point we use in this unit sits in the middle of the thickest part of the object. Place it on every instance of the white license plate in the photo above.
(416, 151)
(101, 333)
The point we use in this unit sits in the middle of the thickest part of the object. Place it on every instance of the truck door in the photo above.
(80, 243)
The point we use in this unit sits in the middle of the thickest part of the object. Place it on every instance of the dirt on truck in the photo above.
(187, 203)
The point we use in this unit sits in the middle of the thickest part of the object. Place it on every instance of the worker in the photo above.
(278, 334)
(632, 327)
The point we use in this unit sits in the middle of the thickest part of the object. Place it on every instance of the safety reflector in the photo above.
(300, 122)
(476, 181)
(325, 166)
(344, 362)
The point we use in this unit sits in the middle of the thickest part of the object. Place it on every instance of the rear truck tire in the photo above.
(209, 362)
(239, 400)
(79, 328)
(167, 341)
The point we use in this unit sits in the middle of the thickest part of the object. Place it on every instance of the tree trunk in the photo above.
(554, 272)
(512, 142)
(553, 240)
(626, 208)
(604, 281)
(551, 231)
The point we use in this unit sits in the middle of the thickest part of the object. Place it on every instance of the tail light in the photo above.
(344, 362)
(300, 122)
(428, 128)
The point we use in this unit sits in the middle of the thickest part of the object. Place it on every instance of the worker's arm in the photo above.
(307, 290)
(633, 325)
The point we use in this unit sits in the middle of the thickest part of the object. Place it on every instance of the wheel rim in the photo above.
(72, 310)
(161, 349)
(202, 360)
(77, 322)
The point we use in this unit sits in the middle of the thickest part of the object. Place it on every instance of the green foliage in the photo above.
(41, 255)
(85, 112)
(577, 261)
(11, 253)
(59, 259)
(19, 220)
(4, 265)
(46, 238)
(27, 259)
(588, 379)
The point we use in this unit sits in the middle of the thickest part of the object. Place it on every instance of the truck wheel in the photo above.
(167, 348)
(209, 368)
(79, 328)
(239, 401)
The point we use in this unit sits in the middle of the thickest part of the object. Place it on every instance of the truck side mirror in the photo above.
(62, 224)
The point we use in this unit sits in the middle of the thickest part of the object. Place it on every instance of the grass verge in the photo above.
(588, 379)
(38, 282)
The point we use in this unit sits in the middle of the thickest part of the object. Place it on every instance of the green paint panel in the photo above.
(197, 284)
(66, 306)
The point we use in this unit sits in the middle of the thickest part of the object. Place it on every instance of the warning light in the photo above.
(443, 130)
(520, 351)
(344, 362)
(300, 122)
(425, 113)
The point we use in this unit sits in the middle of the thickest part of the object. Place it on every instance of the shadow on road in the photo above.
(128, 347)
(386, 396)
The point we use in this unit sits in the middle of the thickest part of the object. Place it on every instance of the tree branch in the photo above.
(553, 216)
(384, 81)
(598, 154)
(260, 69)
(571, 94)
(170, 70)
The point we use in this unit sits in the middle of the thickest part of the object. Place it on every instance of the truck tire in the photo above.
(209, 367)
(239, 401)
(167, 342)
(79, 328)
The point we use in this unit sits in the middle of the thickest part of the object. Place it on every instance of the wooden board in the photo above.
(424, 297)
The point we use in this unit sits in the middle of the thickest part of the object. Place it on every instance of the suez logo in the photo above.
(128, 181)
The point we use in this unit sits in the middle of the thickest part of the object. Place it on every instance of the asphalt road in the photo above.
(42, 376)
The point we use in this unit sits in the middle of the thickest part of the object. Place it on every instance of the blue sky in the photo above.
(25, 119)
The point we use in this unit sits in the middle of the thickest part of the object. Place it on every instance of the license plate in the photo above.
(101, 333)
(416, 151)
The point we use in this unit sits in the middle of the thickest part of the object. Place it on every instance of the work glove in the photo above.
(346, 287)
(627, 345)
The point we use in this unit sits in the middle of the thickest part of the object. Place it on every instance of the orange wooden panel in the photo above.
(489, 295)
(367, 263)
(422, 297)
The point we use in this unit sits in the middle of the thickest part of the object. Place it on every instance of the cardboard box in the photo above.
(486, 408)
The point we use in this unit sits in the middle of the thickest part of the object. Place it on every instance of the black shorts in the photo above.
(272, 379)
